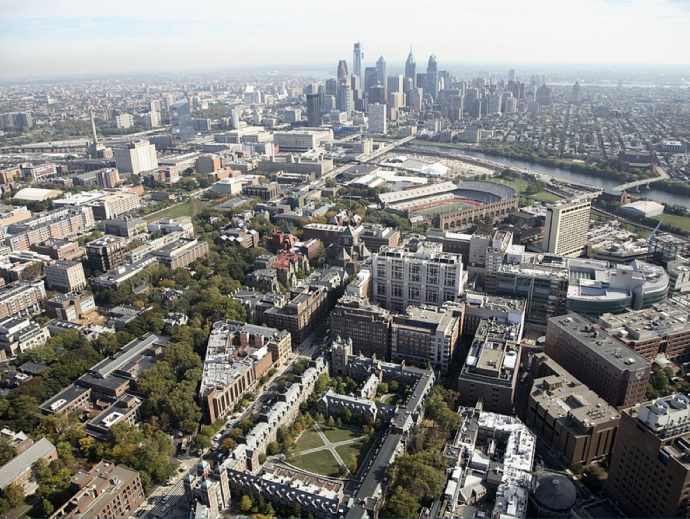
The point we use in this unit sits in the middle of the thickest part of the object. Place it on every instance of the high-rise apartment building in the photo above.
(106, 253)
(565, 232)
(649, 475)
(181, 121)
(613, 371)
(357, 57)
(377, 118)
(65, 276)
(425, 277)
(314, 110)
(136, 157)
(345, 99)
(113, 206)
(107, 178)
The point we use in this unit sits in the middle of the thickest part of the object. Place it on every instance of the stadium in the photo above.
(453, 206)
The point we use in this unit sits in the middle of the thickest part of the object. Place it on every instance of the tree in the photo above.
(48, 508)
(352, 463)
(576, 468)
(342, 471)
(403, 504)
(262, 458)
(331, 421)
(273, 448)
(227, 445)
(592, 479)
(14, 495)
(319, 418)
(347, 415)
(246, 504)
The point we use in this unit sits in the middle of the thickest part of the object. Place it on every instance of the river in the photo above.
(652, 194)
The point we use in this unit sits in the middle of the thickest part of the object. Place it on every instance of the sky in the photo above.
(65, 37)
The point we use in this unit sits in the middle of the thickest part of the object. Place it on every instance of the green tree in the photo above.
(347, 415)
(14, 495)
(246, 504)
(47, 507)
(352, 463)
(227, 445)
(592, 479)
(576, 468)
(331, 421)
(273, 448)
(402, 504)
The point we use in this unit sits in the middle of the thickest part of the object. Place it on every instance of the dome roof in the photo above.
(555, 491)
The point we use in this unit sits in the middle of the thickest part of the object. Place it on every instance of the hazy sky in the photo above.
(51, 37)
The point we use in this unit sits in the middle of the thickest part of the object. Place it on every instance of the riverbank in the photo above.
(582, 168)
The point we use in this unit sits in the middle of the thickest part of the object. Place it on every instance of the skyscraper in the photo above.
(382, 71)
(357, 58)
(411, 68)
(345, 100)
(576, 92)
(314, 110)
(342, 70)
(377, 118)
(181, 120)
(431, 86)
(565, 232)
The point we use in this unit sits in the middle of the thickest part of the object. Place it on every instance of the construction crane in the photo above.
(651, 237)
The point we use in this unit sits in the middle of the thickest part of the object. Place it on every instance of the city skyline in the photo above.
(76, 37)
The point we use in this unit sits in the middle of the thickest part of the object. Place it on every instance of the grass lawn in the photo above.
(517, 185)
(546, 197)
(393, 399)
(340, 434)
(321, 462)
(682, 222)
(309, 439)
(359, 449)
(182, 209)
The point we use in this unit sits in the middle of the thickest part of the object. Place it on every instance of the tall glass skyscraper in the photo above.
(431, 86)
(357, 57)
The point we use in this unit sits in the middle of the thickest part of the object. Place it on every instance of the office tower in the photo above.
(314, 110)
(357, 58)
(425, 277)
(345, 99)
(576, 92)
(377, 94)
(381, 71)
(649, 475)
(414, 100)
(377, 118)
(411, 68)
(565, 232)
(395, 83)
(511, 75)
(613, 371)
(493, 103)
(153, 119)
(332, 87)
(370, 77)
(181, 121)
(431, 80)
(136, 157)
(342, 70)
(544, 96)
